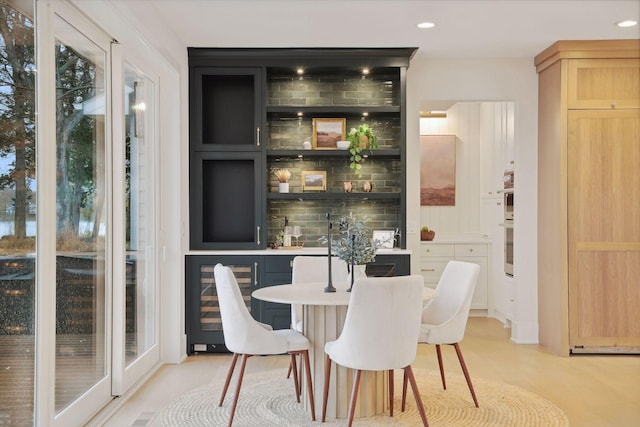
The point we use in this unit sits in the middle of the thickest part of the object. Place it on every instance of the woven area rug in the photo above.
(267, 399)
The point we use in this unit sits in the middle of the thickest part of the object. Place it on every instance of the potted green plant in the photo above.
(426, 234)
(360, 138)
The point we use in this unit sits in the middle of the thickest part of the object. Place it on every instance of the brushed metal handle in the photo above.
(255, 273)
(258, 136)
(258, 235)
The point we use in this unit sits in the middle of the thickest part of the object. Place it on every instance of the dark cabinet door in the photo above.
(227, 207)
(226, 108)
(277, 271)
(203, 322)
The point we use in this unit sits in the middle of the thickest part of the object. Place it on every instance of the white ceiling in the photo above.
(464, 28)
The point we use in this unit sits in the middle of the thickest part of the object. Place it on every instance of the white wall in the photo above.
(486, 80)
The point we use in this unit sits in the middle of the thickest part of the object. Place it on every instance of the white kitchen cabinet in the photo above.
(496, 133)
(434, 256)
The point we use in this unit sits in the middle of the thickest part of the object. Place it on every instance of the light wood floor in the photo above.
(594, 391)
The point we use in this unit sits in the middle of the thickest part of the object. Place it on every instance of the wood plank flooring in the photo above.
(593, 390)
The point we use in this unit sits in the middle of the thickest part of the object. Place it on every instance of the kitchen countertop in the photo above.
(298, 251)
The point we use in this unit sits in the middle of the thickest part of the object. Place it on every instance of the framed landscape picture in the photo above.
(314, 181)
(327, 133)
(437, 170)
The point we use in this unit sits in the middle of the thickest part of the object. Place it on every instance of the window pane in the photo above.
(139, 215)
(17, 214)
(81, 214)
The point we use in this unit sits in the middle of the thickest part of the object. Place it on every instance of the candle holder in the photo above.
(330, 287)
(353, 240)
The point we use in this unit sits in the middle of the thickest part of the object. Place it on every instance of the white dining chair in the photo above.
(315, 269)
(243, 335)
(380, 333)
(444, 318)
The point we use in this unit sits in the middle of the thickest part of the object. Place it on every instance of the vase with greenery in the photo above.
(360, 138)
(354, 244)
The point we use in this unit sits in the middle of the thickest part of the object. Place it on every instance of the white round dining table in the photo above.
(323, 318)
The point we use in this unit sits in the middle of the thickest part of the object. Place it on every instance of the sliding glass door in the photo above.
(136, 346)
(96, 328)
(83, 226)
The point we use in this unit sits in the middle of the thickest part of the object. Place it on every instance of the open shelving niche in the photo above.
(293, 101)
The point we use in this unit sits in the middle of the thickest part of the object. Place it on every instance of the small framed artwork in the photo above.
(385, 237)
(327, 133)
(314, 180)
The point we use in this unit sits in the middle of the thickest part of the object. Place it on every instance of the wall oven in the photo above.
(508, 203)
(508, 247)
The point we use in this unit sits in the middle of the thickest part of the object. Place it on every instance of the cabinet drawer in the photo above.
(278, 263)
(431, 270)
(429, 249)
(471, 250)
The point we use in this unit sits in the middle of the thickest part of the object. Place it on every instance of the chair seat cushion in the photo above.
(295, 341)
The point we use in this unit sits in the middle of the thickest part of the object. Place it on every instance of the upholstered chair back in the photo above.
(444, 318)
(382, 324)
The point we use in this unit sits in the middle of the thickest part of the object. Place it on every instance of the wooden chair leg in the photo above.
(307, 367)
(300, 376)
(229, 375)
(391, 392)
(289, 371)
(404, 390)
(325, 389)
(416, 394)
(354, 397)
(294, 368)
(466, 373)
(441, 365)
(235, 398)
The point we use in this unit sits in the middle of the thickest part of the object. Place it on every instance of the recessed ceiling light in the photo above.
(628, 23)
(426, 25)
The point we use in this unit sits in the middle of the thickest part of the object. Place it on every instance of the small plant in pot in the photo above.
(360, 138)
(426, 234)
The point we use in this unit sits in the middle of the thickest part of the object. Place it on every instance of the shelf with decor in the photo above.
(275, 154)
(292, 111)
(333, 195)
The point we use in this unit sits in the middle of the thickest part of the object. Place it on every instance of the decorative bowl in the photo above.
(343, 145)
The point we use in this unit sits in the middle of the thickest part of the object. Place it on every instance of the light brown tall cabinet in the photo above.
(589, 196)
